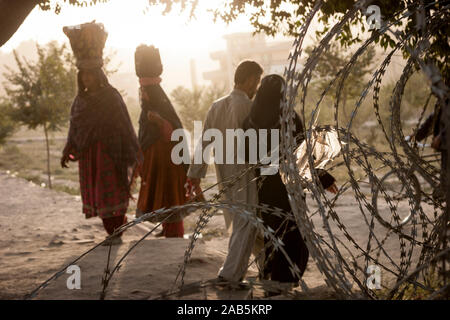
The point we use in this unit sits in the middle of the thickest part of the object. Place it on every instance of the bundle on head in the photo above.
(148, 62)
(87, 41)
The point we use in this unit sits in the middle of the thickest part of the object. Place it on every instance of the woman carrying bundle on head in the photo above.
(101, 137)
(162, 181)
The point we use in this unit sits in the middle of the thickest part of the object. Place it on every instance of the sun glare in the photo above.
(130, 23)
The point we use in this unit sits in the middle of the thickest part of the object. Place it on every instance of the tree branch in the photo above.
(12, 15)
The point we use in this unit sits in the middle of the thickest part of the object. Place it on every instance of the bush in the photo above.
(7, 126)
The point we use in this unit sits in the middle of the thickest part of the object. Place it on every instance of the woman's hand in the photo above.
(436, 143)
(333, 188)
(193, 189)
(68, 155)
(65, 159)
(153, 116)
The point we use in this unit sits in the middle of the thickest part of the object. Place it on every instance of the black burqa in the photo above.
(265, 114)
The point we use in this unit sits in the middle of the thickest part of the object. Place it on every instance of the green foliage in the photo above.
(41, 92)
(192, 105)
(287, 16)
(46, 4)
(56, 6)
(25, 160)
(410, 291)
(332, 61)
(364, 123)
(12, 158)
(7, 126)
(67, 189)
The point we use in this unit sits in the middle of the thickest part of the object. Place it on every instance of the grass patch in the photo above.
(413, 292)
(67, 189)
(12, 158)
(35, 179)
(29, 159)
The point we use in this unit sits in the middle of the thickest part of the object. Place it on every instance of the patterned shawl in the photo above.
(103, 117)
(153, 98)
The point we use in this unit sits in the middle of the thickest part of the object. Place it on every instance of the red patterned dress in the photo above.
(101, 192)
(162, 184)
(102, 139)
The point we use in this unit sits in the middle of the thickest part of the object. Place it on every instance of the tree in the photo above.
(41, 92)
(7, 125)
(13, 13)
(275, 16)
(192, 105)
(287, 16)
(332, 61)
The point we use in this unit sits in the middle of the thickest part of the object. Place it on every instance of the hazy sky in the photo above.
(128, 25)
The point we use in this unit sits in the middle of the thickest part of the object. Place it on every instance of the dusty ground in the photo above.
(43, 231)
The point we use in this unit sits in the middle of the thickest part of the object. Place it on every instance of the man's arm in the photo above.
(198, 170)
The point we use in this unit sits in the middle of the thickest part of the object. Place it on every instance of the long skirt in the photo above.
(162, 184)
(101, 192)
(277, 268)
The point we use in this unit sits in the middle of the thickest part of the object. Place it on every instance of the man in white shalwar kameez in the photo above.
(229, 113)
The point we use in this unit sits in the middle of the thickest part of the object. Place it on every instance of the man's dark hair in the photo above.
(245, 70)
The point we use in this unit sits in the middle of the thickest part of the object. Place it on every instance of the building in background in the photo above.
(272, 56)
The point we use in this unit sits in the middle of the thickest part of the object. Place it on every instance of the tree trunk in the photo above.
(12, 15)
(48, 157)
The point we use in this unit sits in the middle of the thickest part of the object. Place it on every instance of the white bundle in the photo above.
(325, 147)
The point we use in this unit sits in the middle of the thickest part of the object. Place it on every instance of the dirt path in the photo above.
(43, 230)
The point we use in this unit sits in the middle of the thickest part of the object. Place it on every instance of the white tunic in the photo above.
(229, 113)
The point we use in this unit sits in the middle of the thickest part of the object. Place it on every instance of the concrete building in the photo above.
(272, 56)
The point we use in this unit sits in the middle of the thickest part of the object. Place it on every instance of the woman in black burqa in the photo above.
(265, 114)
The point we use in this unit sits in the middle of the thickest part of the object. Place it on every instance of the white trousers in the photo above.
(240, 248)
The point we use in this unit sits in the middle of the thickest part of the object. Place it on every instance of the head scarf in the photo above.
(266, 108)
(266, 114)
(102, 116)
(153, 98)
